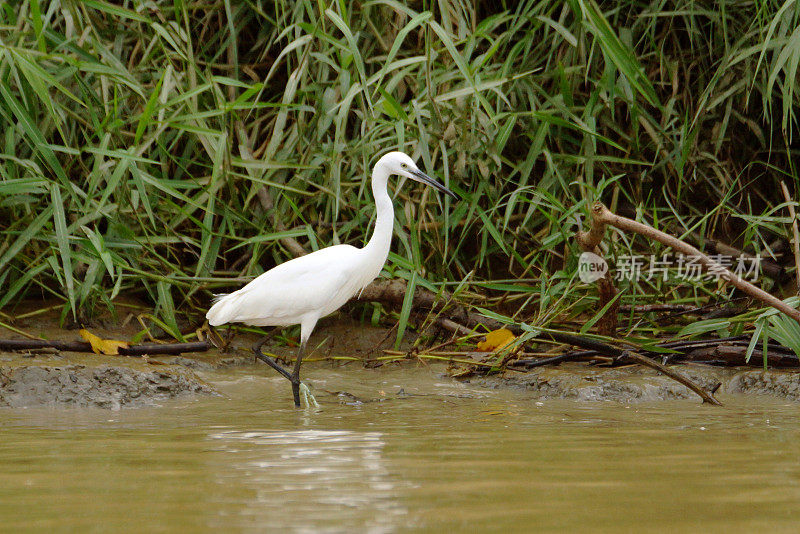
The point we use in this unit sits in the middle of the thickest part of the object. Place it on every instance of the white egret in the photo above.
(304, 289)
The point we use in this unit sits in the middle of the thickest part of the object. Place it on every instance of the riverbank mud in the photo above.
(48, 377)
(130, 383)
(103, 386)
(631, 384)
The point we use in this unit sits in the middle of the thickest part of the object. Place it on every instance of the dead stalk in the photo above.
(589, 242)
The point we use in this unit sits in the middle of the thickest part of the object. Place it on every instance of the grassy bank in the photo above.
(165, 148)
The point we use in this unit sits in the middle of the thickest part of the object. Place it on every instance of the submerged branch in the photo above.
(644, 360)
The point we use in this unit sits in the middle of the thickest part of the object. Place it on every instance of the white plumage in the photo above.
(305, 289)
(300, 290)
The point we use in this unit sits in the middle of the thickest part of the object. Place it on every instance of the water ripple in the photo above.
(325, 477)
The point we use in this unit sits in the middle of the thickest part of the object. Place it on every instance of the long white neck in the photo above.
(377, 250)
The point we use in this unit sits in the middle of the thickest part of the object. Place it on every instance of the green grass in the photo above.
(140, 137)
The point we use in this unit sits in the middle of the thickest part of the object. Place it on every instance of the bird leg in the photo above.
(271, 361)
(297, 387)
(295, 378)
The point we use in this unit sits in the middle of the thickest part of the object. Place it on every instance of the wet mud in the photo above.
(103, 386)
(90, 380)
(637, 384)
(47, 377)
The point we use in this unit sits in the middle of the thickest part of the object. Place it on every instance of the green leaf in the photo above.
(116, 11)
(405, 311)
(166, 307)
(702, 327)
(62, 238)
(597, 316)
(147, 113)
(391, 107)
(617, 52)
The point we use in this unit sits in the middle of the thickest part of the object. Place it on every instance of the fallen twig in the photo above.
(554, 360)
(736, 354)
(728, 350)
(82, 346)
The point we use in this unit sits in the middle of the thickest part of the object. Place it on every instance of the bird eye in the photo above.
(403, 165)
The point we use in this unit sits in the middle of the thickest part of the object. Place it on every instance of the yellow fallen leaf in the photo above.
(496, 340)
(100, 345)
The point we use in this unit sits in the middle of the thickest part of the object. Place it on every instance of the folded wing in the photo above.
(316, 284)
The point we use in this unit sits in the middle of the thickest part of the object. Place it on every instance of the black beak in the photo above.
(425, 179)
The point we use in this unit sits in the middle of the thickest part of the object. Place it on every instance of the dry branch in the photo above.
(736, 354)
(82, 346)
(606, 291)
(767, 266)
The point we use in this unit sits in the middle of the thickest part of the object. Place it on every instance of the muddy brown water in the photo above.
(440, 456)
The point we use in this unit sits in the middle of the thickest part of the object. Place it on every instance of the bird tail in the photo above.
(219, 313)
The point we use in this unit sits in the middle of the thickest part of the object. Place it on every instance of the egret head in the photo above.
(402, 165)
